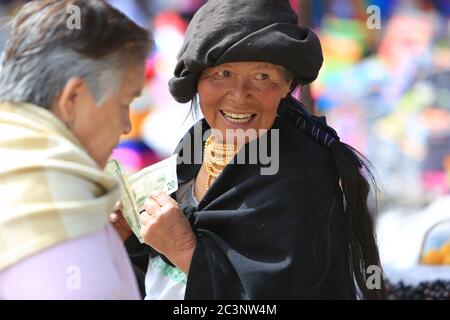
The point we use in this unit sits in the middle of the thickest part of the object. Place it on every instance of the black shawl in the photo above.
(267, 236)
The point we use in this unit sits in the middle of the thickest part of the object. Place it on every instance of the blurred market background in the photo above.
(384, 86)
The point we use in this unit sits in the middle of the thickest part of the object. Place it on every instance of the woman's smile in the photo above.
(237, 118)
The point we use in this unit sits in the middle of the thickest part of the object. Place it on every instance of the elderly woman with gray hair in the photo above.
(64, 102)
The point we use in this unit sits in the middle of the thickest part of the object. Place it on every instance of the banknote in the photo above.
(159, 177)
(134, 189)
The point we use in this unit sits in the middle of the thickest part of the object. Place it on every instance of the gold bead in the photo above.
(216, 158)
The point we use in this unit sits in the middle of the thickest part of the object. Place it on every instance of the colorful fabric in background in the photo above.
(393, 104)
(158, 121)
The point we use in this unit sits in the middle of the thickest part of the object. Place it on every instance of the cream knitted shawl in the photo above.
(51, 190)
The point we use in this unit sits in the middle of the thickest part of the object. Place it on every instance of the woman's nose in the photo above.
(127, 124)
(240, 91)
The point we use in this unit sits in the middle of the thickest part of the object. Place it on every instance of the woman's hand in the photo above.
(167, 230)
(120, 223)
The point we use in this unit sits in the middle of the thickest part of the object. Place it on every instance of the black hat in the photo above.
(225, 31)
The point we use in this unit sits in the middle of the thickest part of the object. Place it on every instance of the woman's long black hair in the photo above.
(358, 220)
(355, 180)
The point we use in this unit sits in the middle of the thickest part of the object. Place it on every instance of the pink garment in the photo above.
(95, 266)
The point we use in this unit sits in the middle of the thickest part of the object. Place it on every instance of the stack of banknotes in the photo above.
(134, 189)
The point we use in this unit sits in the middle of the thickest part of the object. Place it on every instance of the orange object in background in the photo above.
(437, 257)
(446, 260)
(432, 257)
(445, 250)
(136, 118)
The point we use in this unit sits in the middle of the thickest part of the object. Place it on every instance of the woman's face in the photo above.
(241, 95)
(99, 127)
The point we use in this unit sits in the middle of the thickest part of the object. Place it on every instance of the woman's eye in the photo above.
(262, 76)
(223, 73)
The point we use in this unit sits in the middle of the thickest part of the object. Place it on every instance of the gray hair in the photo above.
(40, 78)
(42, 54)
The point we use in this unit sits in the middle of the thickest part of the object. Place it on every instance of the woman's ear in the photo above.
(65, 104)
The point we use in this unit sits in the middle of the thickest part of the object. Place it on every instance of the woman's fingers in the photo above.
(167, 230)
(144, 218)
(152, 208)
(119, 222)
(151, 205)
(115, 216)
(164, 200)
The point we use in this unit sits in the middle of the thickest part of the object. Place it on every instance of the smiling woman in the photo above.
(302, 231)
(236, 98)
(241, 95)
(64, 97)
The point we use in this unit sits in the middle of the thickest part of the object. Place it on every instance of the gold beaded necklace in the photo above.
(217, 156)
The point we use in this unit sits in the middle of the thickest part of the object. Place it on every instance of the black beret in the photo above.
(225, 31)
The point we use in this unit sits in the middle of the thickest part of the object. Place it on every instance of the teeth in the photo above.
(238, 116)
(238, 121)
